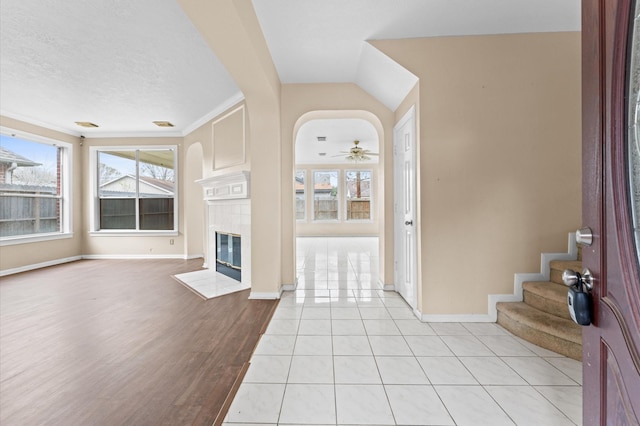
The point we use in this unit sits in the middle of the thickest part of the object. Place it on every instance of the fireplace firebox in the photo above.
(229, 255)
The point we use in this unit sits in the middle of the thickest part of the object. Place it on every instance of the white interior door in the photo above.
(404, 164)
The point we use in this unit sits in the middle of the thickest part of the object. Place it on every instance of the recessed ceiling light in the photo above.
(322, 154)
(322, 138)
(163, 124)
(86, 124)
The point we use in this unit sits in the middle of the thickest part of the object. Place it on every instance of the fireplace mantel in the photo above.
(229, 186)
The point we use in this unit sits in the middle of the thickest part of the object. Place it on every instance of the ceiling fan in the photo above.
(356, 153)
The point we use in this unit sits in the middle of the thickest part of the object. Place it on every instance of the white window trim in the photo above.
(66, 223)
(94, 211)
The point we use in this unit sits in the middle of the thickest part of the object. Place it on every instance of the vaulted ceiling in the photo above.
(123, 64)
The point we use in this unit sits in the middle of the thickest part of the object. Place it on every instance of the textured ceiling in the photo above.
(122, 64)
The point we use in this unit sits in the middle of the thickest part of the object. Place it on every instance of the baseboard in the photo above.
(386, 287)
(95, 257)
(132, 256)
(39, 265)
(520, 278)
(193, 256)
(453, 317)
(290, 287)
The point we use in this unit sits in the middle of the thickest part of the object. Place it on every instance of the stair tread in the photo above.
(562, 328)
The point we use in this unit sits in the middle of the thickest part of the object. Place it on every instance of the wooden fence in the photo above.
(26, 210)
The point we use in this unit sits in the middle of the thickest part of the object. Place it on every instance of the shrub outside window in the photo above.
(136, 189)
(34, 187)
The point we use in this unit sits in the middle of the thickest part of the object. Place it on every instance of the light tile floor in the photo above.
(340, 351)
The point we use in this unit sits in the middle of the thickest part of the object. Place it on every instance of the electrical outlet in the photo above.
(171, 242)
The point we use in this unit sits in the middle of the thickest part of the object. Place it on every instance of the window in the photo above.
(301, 198)
(325, 195)
(136, 189)
(35, 178)
(358, 188)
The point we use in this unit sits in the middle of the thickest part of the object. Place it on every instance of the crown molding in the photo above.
(161, 133)
(224, 106)
(39, 123)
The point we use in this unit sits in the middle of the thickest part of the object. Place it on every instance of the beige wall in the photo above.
(24, 255)
(97, 244)
(232, 30)
(305, 102)
(500, 176)
(195, 161)
(499, 158)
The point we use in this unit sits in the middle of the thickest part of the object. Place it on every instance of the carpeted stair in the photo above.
(543, 318)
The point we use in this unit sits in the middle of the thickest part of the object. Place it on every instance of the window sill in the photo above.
(26, 239)
(106, 233)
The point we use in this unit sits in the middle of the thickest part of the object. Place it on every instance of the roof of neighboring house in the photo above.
(319, 187)
(163, 185)
(10, 157)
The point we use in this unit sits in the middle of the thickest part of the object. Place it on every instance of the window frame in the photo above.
(304, 195)
(65, 196)
(339, 196)
(371, 196)
(95, 229)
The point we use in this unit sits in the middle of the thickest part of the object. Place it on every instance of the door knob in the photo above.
(573, 278)
(570, 277)
(584, 236)
(587, 279)
(408, 222)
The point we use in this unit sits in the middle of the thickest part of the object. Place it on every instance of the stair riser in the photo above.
(537, 337)
(558, 266)
(549, 306)
(556, 276)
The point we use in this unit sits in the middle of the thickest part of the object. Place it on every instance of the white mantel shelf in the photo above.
(229, 186)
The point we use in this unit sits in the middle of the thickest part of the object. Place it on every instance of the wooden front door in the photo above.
(611, 345)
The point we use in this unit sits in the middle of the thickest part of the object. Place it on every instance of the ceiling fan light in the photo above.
(86, 124)
(163, 124)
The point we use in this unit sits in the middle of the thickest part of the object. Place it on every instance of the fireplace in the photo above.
(229, 255)
(228, 236)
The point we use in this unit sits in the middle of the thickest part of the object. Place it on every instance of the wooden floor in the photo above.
(115, 342)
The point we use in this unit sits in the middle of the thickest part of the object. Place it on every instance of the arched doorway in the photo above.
(337, 194)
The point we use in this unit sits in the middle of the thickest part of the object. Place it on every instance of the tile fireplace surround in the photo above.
(228, 210)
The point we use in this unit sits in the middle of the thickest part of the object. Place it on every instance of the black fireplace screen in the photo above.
(228, 255)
